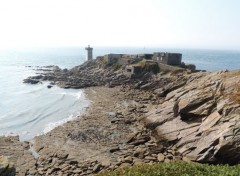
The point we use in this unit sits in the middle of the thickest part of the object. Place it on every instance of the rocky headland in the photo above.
(163, 117)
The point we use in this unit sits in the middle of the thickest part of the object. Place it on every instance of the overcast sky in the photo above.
(213, 24)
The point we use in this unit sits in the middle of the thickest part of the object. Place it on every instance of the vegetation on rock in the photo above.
(176, 169)
(148, 66)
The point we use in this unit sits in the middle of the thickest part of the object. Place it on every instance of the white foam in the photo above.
(78, 95)
(11, 134)
(63, 93)
(50, 126)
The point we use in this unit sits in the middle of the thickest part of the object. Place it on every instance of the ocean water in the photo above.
(30, 110)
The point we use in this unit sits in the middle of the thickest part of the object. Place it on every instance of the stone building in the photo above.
(131, 59)
(174, 59)
(112, 58)
(133, 70)
(145, 56)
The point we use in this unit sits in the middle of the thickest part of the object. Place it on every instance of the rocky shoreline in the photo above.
(151, 118)
(110, 135)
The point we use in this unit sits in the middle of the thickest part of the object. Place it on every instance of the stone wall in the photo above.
(168, 58)
(112, 58)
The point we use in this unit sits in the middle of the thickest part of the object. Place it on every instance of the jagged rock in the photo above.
(201, 118)
(139, 150)
(114, 149)
(128, 159)
(97, 167)
(31, 81)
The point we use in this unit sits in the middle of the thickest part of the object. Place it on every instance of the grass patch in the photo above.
(116, 66)
(176, 169)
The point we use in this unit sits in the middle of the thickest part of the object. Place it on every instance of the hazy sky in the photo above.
(146, 23)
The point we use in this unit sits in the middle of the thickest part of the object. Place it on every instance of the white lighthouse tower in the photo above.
(89, 55)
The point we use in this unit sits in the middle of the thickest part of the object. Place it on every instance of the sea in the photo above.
(30, 110)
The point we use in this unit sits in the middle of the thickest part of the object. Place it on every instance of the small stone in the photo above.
(138, 162)
(128, 159)
(150, 158)
(130, 146)
(125, 165)
(106, 163)
(88, 172)
(64, 165)
(50, 171)
(62, 155)
(114, 149)
(177, 158)
(97, 167)
(146, 154)
(167, 160)
(186, 159)
(66, 168)
(169, 157)
(32, 171)
(141, 156)
(172, 152)
(160, 157)
(154, 155)
(41, 169)
(77, 171)
(139, 150)
(150, 163)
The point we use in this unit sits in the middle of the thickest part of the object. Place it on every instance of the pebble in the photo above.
(160, 157)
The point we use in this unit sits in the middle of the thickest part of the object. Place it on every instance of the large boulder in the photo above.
(202, 118)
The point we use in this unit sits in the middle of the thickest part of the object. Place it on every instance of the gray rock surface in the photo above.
(17, 153)
(201, 118)
(188, 116)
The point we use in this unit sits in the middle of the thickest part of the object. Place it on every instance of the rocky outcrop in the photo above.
(201, 118)
(6, 167)
(91, 73)
(17, 153)
(196, 114)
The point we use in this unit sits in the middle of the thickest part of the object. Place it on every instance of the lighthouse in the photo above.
(89, 55)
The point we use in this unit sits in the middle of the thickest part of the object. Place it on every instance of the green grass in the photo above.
(117, 66)
(176, 169)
